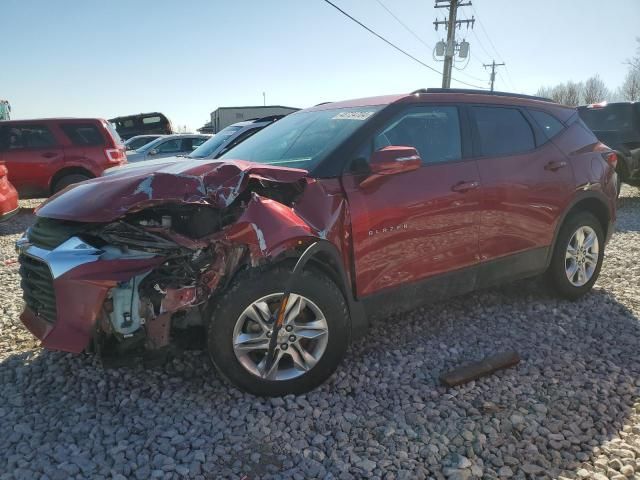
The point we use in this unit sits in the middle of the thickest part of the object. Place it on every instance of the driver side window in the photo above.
(432, 130)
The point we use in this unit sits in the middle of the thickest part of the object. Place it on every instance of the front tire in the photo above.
(310, 348)
(577, 257)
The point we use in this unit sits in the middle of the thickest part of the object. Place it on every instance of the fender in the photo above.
(274, 231)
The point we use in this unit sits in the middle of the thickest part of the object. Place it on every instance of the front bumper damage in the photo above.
(137, 276)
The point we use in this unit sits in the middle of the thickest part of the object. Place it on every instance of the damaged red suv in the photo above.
(283, 249)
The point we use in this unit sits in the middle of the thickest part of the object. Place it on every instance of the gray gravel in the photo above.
(570, 409)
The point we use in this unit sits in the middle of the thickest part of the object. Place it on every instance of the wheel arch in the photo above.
(592, 202)
(75, 170)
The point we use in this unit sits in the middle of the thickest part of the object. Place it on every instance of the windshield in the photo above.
(302, 139)
(211, 145)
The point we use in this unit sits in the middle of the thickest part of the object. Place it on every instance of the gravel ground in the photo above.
(570, 409)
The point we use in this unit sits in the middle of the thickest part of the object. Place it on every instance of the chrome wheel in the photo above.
(581, 258)
(302, 340)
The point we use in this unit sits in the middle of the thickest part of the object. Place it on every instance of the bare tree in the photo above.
(559, 93)
(635, 61)
(544, 92)
(594, 90)
(630, 89)
(574, 93)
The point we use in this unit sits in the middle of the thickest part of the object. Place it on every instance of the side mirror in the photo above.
(153, 151)
(394, 159)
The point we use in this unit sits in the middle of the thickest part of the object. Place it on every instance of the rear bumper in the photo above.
(8, 200)
(7, 215)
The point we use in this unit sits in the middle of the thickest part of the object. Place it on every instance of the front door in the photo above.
(413, 225)
(30, 152)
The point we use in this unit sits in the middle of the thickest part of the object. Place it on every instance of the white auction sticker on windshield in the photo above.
(353, 116)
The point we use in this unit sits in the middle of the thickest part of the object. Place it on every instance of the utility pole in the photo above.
(493, 66)
(450, 24)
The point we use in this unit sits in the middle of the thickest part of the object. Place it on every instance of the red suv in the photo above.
(282, 249)
(46, 155)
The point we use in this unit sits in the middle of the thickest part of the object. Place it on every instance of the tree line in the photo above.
(594, 90)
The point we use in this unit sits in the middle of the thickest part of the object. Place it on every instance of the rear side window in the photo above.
(83, 134)
(548, 123)
(502, 131)
(148, 120)
(21, 137)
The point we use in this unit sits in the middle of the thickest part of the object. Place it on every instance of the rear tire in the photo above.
(69, 179)
(577, 256)
(236, 340)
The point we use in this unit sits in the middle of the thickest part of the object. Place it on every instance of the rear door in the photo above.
(527, 182)
(86, 145)
(417, 224)
(30, 152)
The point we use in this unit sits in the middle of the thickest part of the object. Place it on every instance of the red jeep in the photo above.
(46, 155)
(284, 248)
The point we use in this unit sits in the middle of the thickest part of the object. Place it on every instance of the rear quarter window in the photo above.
(148, 120)
(84, 134)
(547, 123)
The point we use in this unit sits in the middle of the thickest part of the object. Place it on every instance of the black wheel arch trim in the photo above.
(312, 256)
(580, 197)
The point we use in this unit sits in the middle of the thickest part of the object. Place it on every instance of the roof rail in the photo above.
(482, 92)
(420, 90)
(322, 103)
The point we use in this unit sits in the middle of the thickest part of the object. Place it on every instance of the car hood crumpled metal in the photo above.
(208, 182)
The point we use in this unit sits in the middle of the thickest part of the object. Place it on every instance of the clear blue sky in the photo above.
(186, 58)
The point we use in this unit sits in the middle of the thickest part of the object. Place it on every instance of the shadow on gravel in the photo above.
(383, 411)
(627, 206)
(17, 224)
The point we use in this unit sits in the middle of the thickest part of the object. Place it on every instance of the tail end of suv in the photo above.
(44, 156)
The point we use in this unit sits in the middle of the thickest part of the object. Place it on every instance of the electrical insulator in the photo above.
(463, 51)
(440, 46)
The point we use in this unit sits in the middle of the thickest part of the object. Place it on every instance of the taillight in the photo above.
(115, 155)
(3, 171)
(611, 158)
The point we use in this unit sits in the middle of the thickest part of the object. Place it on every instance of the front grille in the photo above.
(48, 233)
(37, 287)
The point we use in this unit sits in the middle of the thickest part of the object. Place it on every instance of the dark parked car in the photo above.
(142, 124)
(46, 155)
(282, 249)
(213, 147)
(618, 126)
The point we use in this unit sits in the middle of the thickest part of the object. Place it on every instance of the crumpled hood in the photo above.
(208, 182)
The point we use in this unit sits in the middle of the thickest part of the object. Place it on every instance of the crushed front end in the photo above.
(118, 265)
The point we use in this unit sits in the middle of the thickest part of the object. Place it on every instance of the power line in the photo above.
(392, 44)
(506, 69)
(487, 35)
(404, 25)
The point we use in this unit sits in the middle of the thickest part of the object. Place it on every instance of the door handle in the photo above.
(465, 186)
(48, 154)
(553, 165)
